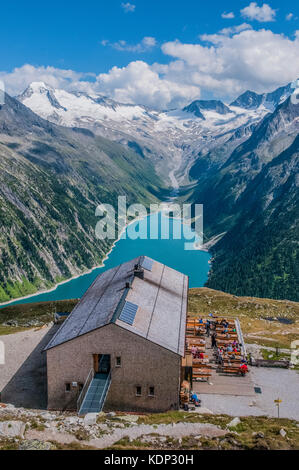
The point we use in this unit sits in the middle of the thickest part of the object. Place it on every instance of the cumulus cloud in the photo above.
(146, 44)
(262, 14)
(234, 29)
(128, 7)
(20, 77)
(228, 16)
(142, 83)
(289, 16)
(222, 65)
(228, 65)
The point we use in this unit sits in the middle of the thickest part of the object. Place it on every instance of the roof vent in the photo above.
(128, 285)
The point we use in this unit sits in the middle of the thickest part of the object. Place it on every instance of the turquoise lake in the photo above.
(172, 252)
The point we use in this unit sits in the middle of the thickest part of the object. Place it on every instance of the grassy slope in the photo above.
(41, 313)
(251, 312)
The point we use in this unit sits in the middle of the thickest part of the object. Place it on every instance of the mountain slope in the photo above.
(274, 134)
(223, 151)
(252, 100)
(206, 105)
(255, 200)
(262, 247)
(171, 139)
(52, 179)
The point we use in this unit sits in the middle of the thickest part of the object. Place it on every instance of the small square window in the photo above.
(68, 387)
(138, 391)
(118, 361)
(151, 391)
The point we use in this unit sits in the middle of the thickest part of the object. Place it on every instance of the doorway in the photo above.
(101, 363)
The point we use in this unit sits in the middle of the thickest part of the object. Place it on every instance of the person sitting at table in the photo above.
(229, 348)
(193, 350)
(194, 399)
(197, 353)
(243, 369)
(200, 321)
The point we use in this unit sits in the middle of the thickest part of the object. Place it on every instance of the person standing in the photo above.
(208, 326)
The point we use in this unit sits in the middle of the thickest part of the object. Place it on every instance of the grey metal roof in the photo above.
(161, 298)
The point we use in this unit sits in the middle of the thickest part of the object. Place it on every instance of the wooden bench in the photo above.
(200, 361)
(227, 361)
(195, 342)
(200, 349)
(225, 337)
(201, 373)
(198, 364)
(231, 370)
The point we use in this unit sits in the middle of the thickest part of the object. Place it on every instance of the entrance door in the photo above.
(101, 363)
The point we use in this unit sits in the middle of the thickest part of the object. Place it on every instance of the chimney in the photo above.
(128, 285)
(138, 271)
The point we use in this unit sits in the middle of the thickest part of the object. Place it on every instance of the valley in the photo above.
(239, 160)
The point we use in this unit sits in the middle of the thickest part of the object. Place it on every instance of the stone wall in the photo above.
(143, 364)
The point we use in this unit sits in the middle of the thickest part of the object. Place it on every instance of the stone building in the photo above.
(121, 347)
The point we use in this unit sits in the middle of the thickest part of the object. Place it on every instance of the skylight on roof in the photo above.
(147, 264)
(128, 313)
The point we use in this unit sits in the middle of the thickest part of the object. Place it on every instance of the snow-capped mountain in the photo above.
(196, 107)
(270, 101)
(172, 139)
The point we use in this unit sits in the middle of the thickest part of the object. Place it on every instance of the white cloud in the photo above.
(289, 16)
(17, 80)
(141, 83)
(222, 65)
(262, 14)
(146, 44)
(128, 7)
(234, 29)
(226, 66)
(228, 16)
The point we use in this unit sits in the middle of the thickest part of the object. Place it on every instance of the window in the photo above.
(138, 391)
(80, 385)
(151, 392)
(118, 361)
(68, 387)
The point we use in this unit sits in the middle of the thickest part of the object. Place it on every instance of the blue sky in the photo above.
(62, 42)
